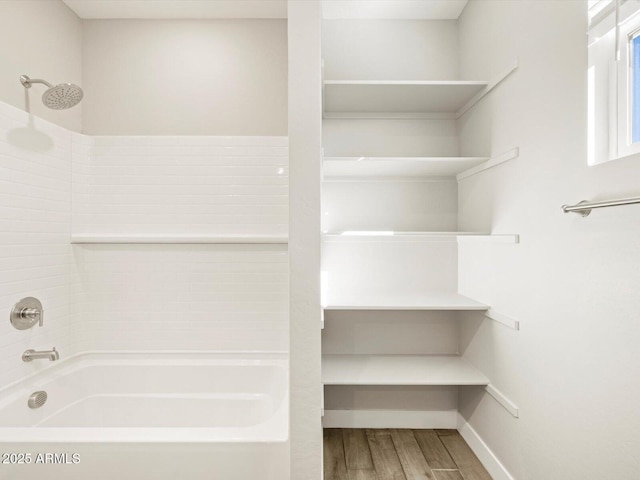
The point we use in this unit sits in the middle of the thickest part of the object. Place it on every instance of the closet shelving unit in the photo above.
(400, 99)
(358, 100)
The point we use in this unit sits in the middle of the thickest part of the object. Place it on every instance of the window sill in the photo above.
(632, 156)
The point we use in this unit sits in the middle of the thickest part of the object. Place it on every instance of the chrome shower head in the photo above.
(59, 97)
(62, 96)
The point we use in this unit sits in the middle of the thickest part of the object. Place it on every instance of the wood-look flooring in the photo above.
(399, 454)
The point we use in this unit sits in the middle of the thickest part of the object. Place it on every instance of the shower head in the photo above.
(62, 96)
(59, 97)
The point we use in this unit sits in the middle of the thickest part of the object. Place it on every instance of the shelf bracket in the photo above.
(492, 162)
(499, 397)
(465, 108)
(503, 319)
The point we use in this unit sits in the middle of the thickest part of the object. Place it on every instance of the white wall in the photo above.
(35, 223)
(390, 332)
(161, 77)
(305, 143)
(426, 205)
(389, 138)
(41, 39)
(359, 268)
(390, 50)
(572, 282)
(185, 77)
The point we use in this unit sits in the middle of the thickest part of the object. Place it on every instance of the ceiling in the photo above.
(394, 9)
(157, 9)
(334, 9)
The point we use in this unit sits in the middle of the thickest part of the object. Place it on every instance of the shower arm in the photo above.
(27, 82)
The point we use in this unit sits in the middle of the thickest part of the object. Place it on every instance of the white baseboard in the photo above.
(482, 451)
(389, 419)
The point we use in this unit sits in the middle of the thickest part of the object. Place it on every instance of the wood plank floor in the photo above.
(399, 454)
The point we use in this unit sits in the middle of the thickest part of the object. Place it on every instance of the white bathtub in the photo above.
(150, 415)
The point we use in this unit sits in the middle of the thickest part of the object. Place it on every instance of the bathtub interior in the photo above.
(215, 397)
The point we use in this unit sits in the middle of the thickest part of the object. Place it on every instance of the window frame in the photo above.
(634, 85)
(624, 99)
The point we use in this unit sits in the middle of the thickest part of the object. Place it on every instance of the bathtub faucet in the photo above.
(52, 355)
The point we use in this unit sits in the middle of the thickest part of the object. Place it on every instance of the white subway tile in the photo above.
(195, 297)
(35, 215)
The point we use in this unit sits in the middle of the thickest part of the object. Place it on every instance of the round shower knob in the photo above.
(26, 313)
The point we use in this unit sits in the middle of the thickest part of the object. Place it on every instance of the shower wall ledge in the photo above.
(179, 239)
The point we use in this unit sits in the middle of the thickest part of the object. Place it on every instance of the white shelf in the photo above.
(432, 301)
(399, 166)
(398, 97)
(399, 370)
(177, 239)
(377, 236)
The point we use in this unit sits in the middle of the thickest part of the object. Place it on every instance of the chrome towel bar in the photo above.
(584, 207)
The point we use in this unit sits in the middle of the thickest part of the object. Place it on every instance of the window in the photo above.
(635, 86)
(627, 96)
(614, 81)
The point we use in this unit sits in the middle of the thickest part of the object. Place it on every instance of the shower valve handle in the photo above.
(33, 314)
(26, 313)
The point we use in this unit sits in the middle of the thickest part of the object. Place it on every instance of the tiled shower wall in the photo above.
(180, 185)
(35, 225)
(162, 296)
(181, 297)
